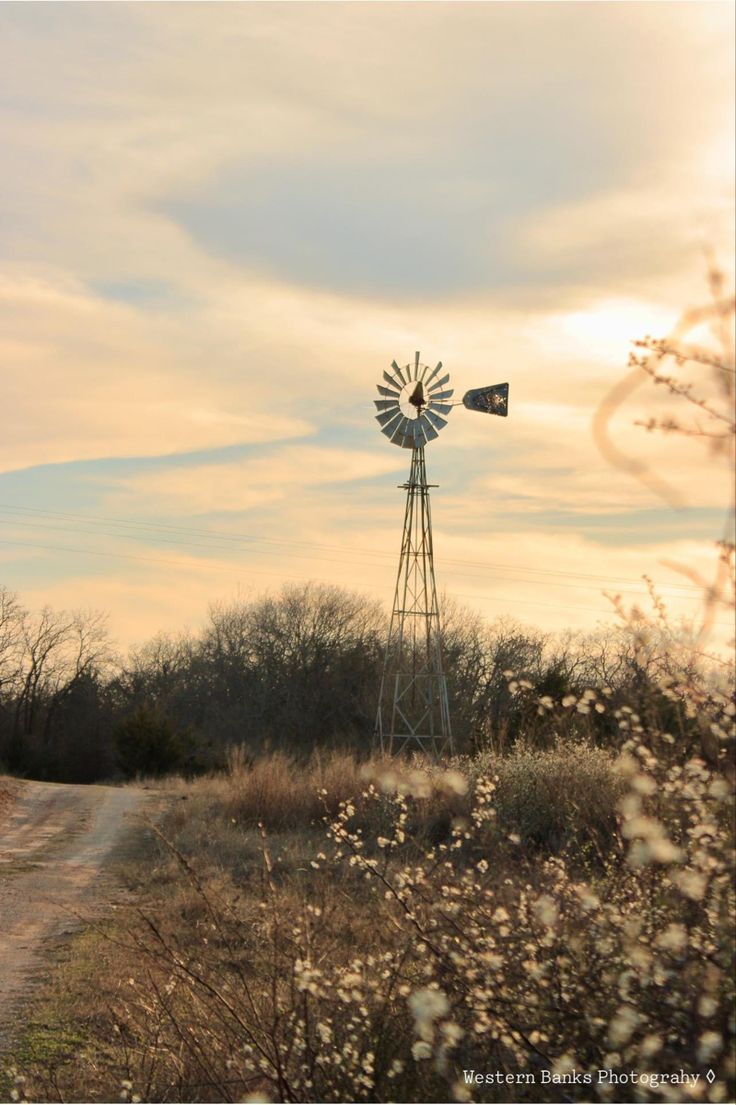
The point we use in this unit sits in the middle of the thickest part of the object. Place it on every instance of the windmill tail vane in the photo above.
(413, 706)
(490, 400)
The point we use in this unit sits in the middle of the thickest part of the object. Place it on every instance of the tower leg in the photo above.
(413, 710)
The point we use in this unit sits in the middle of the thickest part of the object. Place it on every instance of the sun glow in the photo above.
(606, 330)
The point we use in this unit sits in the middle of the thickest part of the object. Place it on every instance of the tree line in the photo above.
(296, 671)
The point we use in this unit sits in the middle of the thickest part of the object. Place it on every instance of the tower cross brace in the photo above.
(413, 710)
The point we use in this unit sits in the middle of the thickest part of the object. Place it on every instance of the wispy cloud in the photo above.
(240, 486)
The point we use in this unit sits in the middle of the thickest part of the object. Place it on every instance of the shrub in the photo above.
(559, 797)
(148, 744)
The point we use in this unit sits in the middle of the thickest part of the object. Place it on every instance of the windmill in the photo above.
(413, 711)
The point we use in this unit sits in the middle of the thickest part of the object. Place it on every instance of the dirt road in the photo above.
(55, 842)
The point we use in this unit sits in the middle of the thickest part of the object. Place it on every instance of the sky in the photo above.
(221, 222)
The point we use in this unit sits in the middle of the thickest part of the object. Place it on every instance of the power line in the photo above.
(210, 566)
(55, 528)
(673, 590)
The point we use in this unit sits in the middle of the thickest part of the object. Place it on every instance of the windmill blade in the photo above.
(425, 432)
(490, 400)
(393, 381)
(390, 393)
(388, 420)
(389, 432)
(433, 373)
(440, 408)
(420, 430)
(428, 428)
(413, 438)
(441, 382)
(401, 428)
(385, 404)
(434, 419)
(416, 365)
(400, 373)
(440, 395)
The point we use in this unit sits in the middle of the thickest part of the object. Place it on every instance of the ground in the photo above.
(55, 844)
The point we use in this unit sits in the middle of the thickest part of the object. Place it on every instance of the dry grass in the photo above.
(282, 794)
(279, 791)
(552, 800)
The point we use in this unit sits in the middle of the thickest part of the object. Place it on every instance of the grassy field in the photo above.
(345, 931)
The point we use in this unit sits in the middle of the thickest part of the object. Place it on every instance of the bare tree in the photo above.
(11, 632)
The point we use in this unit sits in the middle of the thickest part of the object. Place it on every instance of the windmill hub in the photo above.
(417, 398)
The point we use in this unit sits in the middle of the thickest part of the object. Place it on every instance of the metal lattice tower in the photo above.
(413, 710)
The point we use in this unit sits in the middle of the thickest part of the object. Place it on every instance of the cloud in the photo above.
(643, 230)
(459, 137)
(515, 180)
(90, 379)
(250, 483)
